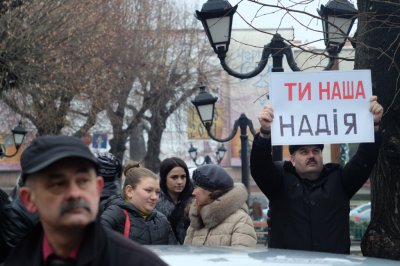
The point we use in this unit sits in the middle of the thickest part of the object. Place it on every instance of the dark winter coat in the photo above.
(155, 230)
(15, 224)
(4, 203)
(310, 215)
(110, 190)
(175, 214)
(100, 247)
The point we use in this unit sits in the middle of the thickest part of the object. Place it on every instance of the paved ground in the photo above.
(355, 248)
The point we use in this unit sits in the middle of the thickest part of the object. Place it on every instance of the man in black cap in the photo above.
(110, 169)
(310, 201)
(62, 186)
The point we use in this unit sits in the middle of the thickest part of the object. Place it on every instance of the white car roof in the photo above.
(232, 256)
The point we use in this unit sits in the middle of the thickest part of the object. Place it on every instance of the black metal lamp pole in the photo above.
(338, 17)
(204, 103)
(219, 155)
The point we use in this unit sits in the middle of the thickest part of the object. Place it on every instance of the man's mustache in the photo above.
(71, 205)
(312, 160)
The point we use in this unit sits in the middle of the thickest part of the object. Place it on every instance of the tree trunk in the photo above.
(120, 135)
(137, 145)
(152, 160)
(378, 50)
(117, 143)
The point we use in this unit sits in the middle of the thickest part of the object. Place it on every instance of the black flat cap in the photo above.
(46, 150)
(293, 148)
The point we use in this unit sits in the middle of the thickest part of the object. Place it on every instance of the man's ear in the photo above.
(100, 183)
(27, 197)
(292, 160)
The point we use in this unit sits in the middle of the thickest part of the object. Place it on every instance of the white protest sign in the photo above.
(321, 107)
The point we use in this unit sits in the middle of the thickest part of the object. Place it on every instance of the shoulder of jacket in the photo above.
(332, 166)
(115, 211)
(112, 208)
(164, 203)
(157, 215)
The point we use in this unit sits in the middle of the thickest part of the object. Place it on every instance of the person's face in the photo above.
(202, 196)
(145, 195)
(308, 161)
(176, 180)
(66, 194)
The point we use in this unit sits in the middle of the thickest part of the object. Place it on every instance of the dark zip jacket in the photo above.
(154, 230)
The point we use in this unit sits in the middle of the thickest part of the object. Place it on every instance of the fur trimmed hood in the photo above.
(217, 211)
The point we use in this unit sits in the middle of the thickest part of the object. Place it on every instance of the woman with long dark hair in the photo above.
(176, 194)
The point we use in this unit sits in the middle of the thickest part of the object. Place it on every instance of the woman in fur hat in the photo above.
(219, 214)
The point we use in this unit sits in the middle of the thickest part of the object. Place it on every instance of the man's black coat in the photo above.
(310, 215)
(100, 247)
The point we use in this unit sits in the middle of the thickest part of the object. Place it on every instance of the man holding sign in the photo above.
(309, 201)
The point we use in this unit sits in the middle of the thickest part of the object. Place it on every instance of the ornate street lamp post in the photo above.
(338, 19)
(219, 155)
(205, 105)
(19, 133)
(217, 15)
